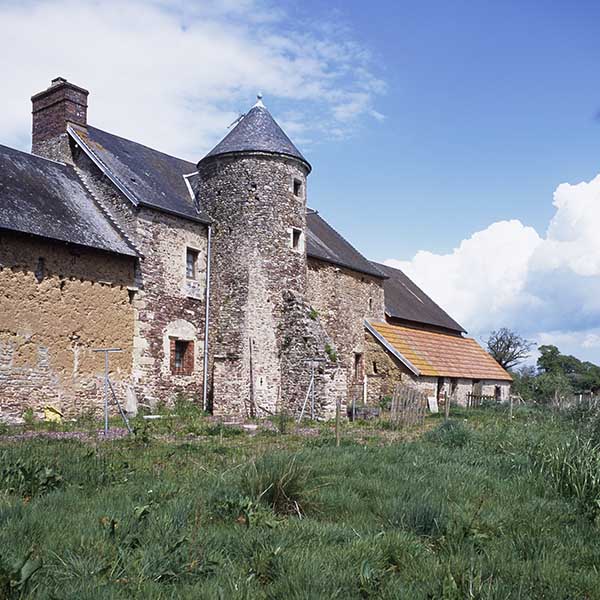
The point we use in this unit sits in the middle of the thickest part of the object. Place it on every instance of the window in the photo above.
(182, 357)
(370, 304)
(297, 187)
(191, 258)
(375, 371)
(296, 239)
(358, 366)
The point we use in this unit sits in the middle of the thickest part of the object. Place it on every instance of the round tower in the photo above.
(253, 186)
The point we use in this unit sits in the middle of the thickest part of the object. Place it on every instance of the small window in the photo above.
(182, 357)
(370, 303)
(358, 366)
(191, 260)
(296, 239)
(297, 187)
(375, 371)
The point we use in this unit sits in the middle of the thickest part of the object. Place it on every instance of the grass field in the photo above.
(478, 508)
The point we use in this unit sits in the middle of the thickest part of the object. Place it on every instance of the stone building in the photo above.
(214, 280)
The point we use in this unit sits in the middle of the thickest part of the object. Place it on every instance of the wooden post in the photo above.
(510, 407)
(446, 406)
(337, 423)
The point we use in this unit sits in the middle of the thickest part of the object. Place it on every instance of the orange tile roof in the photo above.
(440, 354)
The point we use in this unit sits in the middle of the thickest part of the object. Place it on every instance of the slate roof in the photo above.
(324, 243)
(257, 131)
(407, 301)
(437, 354)
(146, 176)
(47, 199)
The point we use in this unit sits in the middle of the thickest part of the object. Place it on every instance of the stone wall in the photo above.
(57, 303)
(384, 372)
(256, 270)
(343, 300)
(168, 305)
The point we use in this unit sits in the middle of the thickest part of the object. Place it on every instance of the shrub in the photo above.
(452, 434)
(282, 483)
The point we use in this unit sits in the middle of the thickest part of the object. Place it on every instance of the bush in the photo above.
(282, 483)
(452, 434)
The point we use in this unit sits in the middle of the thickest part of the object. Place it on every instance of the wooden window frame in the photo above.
(181, 356)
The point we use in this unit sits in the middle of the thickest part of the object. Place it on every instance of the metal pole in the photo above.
(106, 381)
(206, 316)
(312, 396)
(105, 393)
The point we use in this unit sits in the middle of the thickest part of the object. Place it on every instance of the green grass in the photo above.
(464, 511)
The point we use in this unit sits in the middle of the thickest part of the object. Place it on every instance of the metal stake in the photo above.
(106, 381)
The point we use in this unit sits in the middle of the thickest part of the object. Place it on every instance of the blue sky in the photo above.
(457, 140)
(489, 106)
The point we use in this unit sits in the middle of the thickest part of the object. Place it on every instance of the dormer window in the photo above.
(191, 261)
(297, 188)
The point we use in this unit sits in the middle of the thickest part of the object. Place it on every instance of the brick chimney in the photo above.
(52, 110)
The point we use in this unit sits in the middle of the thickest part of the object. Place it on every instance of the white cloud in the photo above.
(173, 74)
(546, 287)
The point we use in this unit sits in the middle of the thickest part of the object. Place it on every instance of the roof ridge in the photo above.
(126, 237)
(32, 155)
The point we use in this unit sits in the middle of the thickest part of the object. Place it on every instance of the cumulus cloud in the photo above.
(546, 287)
(173, 73)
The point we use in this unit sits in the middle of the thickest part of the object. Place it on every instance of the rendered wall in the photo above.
(57, 303)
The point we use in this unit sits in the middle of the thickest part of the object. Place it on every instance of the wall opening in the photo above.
(182, 357)
(358, 366)
(191, 263)
(39, 270)
(297, 187)
(296, 239)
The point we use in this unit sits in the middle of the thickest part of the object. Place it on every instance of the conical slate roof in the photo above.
(257, 131)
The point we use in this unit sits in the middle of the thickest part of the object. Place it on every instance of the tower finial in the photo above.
(259, 101)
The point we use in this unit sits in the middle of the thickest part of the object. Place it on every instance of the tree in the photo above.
(582, 376)
(524, 382)
(508, 348)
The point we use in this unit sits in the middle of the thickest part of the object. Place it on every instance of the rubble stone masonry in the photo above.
(168, 306)
(343, 299)
(57, 303)
(259, 280)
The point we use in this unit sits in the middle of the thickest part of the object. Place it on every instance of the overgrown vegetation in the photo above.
(478, 507)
